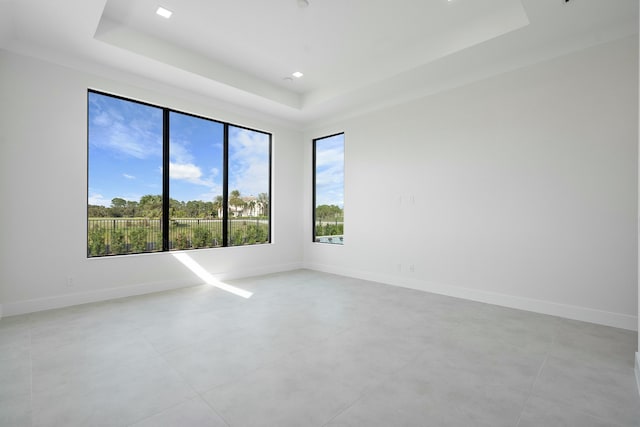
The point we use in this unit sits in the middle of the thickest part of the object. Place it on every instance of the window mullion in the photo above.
(225, 188)
(165, 179)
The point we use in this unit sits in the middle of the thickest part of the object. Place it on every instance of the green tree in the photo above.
(236, 204)
(138, 237)
(181, 241)
(97, 245)
(329, 213)
(177, 209)
(98, 211)
(251, 204)
(131, 209)
(216, 238)
(151, 206)
(251, 233)
(118, 242)
(217, 205)
(262, 234)
(237, 237)
(192, 209)
(202, 237)
(118, 205)
(263, 202)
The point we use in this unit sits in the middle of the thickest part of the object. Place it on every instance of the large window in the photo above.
(328, 189)
(161, 180)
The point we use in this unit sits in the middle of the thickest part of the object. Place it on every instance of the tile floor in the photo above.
(311, 349)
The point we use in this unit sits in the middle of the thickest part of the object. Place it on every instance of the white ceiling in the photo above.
(356, 55)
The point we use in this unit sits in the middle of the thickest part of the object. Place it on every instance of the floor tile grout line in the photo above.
(345, 409)
(368, 389)
(129, 424)
(206, 402)
(524, 405)
(361, 395)
(162, 357)
(535, 381)
(139, 336)
(550, 355)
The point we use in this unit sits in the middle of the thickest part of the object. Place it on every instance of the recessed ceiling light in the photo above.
(297, 74)
(165, 13)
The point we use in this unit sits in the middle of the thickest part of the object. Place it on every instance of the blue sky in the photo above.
(330, 171)
(125, 154)
(196, 163)
(248, 161)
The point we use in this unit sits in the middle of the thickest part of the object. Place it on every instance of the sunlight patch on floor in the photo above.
(199, 271)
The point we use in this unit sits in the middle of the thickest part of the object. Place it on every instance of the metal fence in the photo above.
(114, 236)
(248, 231)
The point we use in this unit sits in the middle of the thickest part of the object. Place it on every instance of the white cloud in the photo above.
(182, 168)
(252, 180)
(330, 186)
(180, 152)
(330, 175)
(192, 174)
(185, 171)
(249, 161)
(124, 140)
(102, 119)
(330, 171)
(98, 199)
(214, 191)
(137, 133)
(332, 156)
(126, 175)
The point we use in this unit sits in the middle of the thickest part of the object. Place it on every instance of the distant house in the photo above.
(250, 207)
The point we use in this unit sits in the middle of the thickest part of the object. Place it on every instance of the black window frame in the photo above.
(166, 195)
(313, 190)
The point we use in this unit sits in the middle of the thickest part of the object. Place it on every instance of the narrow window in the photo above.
(249, 182)
(195, 182)
(328, 189)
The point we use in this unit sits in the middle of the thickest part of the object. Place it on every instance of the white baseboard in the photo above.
(584, 314)
(545, 307)
(67, 300)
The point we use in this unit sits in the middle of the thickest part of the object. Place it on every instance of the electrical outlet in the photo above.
(70, 282)
(412, 268)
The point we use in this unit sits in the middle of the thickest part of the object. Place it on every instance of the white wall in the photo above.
(43, 176)
(519, 190)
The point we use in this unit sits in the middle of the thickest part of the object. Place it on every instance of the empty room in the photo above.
(319, 213)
